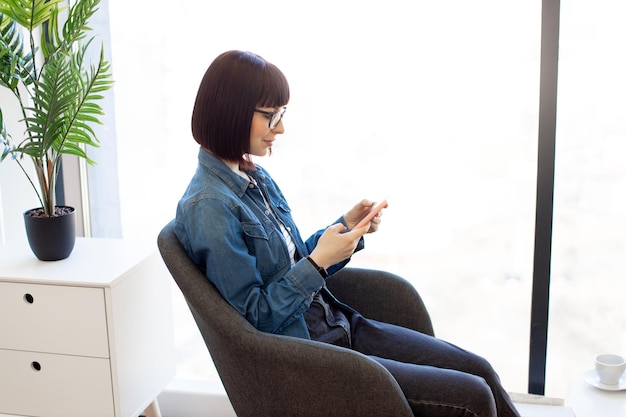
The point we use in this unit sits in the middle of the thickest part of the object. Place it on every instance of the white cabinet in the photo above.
(91, 335)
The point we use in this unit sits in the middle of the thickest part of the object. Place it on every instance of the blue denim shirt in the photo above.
(228, 231)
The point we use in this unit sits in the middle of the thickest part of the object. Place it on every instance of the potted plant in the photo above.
(57, 89)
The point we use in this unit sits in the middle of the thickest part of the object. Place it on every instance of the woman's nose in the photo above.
(280, 128)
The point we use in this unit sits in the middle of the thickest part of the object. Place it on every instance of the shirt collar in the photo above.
(223, 172)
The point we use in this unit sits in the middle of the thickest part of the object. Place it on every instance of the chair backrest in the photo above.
(272, 375)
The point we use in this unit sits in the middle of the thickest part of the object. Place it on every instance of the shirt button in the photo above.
(250, 185)
(267, 212)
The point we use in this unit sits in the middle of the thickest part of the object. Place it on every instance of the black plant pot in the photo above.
(51, 238)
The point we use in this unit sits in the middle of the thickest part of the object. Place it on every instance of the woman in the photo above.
(236, 225)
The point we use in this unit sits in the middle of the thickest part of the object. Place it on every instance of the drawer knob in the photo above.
(36, 366)
(29, 298)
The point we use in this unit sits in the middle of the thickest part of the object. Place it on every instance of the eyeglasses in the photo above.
(274, 116)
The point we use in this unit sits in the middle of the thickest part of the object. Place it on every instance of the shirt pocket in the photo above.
(267, 245)
(282, 206)
(284, 216)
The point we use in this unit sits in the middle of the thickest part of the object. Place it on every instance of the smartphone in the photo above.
(371, 214)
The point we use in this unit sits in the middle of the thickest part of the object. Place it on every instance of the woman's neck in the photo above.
(233, 165)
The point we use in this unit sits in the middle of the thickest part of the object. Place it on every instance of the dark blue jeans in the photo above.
(437, 377)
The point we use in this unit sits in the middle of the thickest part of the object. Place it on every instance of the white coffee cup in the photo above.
(610, 368)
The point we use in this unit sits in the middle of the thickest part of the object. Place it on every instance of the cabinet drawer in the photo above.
(53, 319)
(42, 384)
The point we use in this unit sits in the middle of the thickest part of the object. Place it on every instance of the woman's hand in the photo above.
(336, 245)
(357, 212)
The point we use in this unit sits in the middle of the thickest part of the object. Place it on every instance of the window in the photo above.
(435, 108)
(588, 313)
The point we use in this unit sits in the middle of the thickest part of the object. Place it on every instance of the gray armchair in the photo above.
(272, 375)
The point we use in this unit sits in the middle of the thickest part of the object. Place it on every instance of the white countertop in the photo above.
(101, 258)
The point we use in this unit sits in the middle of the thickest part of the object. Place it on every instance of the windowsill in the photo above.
(539, 410)
(195, 398)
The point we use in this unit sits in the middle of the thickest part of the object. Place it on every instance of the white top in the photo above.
(588, 401)
(105, 259)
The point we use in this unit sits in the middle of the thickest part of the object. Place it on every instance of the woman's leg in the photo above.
(437, 392)
(434, 374)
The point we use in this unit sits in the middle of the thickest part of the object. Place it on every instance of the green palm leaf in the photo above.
(30, 13)
(16, 65)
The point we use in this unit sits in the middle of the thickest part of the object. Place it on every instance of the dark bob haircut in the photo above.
(234, 85)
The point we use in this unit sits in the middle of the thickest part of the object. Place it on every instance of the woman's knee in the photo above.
(480, 397)
(477, 401)
(485, 370)
(443, 392)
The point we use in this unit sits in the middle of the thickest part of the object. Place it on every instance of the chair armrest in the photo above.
(308, 378)
(381, 296)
